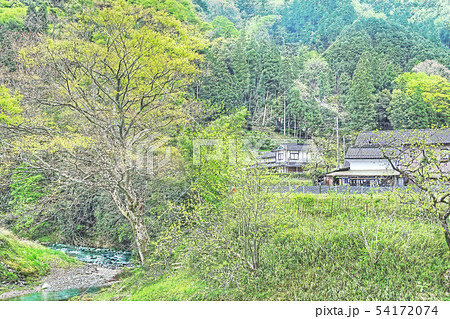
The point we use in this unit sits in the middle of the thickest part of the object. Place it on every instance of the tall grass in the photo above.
(328, 247)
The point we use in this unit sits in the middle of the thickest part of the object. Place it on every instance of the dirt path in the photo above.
(73, 278)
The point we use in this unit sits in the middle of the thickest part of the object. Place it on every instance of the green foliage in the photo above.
(12, 15)
(27, 261)
(26, 217)
(179, 287)
(301, 20)
(433, 89)
(342, 32)
(26, 189)
(361, 99)
(10, 108)
(344, 54)
(422, 101)
(293, 66)
(222, 27)
(331, 247)
(181, 9)
(406, 113)
(211, 168)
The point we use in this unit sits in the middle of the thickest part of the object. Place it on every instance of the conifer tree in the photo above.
(240, 68)
(361, 99)
(404, 113)
(389, 76)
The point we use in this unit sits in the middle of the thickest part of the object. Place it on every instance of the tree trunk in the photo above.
(140, 234)
(444, 224)
(264, 114)
(134, 213)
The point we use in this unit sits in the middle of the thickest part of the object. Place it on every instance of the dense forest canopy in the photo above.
(343, 56)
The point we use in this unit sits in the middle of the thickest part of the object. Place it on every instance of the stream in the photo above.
(98, 256)
(62, 295)
(105, 258)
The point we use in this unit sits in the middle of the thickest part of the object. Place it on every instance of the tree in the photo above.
(10, 110)
(361, 98)
(383, 99)
(420, 101)
(404, 113)
(424, 164)
(222, 27)
(389, 76)
(432, 89)
(432, 67)
(36, 20)
(316, 74)
(114, 89)
(344, 84)
(237, 232)
(343, 55)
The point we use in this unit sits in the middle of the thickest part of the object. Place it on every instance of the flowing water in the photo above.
(55, 295)
(101, 257)
(98, 256)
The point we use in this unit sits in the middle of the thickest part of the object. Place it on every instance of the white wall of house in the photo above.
(285, 156)
(369, 164)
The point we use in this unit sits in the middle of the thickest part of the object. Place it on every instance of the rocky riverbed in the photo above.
(59, 279)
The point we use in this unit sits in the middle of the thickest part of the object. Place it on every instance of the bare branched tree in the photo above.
(112, 91)
(422, 158)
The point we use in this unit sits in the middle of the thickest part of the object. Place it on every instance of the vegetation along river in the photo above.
(101, 266)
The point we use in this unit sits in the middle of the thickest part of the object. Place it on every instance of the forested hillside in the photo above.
(314, 60)
(106, 105)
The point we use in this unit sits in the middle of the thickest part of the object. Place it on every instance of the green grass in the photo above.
(137, 286)
(329, 247)
(27, 261)
(326, 259)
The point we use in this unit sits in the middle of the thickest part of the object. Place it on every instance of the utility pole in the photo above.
(284, 114)
(337, 141)
(343, 140)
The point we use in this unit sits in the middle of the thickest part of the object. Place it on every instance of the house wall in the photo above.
(303, 156)
(369, 164)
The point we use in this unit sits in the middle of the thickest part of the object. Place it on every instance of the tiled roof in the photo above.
(293, 147)
(364, 152)
(268, 155)
(403, 137)
(367, 145)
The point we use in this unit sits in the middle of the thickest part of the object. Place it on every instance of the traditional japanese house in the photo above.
(287, 158)
(366, 162)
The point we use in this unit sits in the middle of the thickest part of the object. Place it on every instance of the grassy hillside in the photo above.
(25, 261)
(331, 248)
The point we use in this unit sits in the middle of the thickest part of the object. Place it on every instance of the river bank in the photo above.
(80, 277)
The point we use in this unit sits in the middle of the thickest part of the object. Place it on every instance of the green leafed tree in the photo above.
(222, 27)
(434, 90)
(405, 113)
(10, 109)
(420, 101)
(361, 98)
(112, 90)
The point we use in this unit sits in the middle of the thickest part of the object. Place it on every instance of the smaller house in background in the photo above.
(366, 165)
(287, 158)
